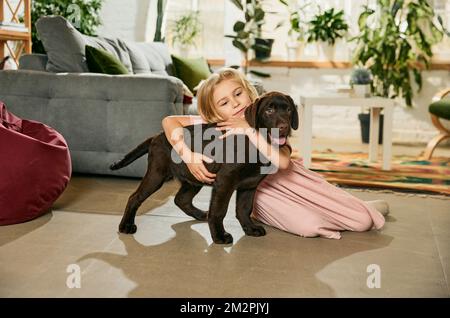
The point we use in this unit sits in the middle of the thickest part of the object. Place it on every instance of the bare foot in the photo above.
(381, 205)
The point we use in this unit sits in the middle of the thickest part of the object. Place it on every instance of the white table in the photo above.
(376, 104)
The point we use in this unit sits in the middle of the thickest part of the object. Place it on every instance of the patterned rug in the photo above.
(408, 173)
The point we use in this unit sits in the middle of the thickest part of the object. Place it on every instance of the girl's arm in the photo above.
(280, 157)
(173, 129)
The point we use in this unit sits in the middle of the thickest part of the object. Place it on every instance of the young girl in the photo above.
(293, 199)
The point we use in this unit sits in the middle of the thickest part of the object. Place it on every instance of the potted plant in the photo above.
(296, 33)
(395, 45)
(246, 32)
(360, 81)
(185, 31)
(325, 28)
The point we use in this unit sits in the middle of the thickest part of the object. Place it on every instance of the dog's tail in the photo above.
(134, 154)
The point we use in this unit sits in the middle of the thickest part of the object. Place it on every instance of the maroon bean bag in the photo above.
(35, 168)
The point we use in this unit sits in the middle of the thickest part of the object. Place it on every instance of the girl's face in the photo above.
(230, 99)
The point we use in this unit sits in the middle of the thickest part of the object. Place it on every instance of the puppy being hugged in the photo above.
(273, 114)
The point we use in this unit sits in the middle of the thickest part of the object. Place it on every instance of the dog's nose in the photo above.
(283, 128)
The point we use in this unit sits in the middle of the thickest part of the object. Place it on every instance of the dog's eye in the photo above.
(269, 111)
(289, 110)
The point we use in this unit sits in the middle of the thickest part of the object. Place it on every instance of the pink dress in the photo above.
(302, 202)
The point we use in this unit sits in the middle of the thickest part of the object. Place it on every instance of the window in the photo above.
(211, 14)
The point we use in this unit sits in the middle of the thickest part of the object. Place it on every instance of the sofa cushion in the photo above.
(65, 46)
(151, 57)
(34, 62)
(100, 61)
(191, 71)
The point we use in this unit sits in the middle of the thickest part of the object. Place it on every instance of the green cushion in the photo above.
(191, 71)
(101, 61)
(441, 108)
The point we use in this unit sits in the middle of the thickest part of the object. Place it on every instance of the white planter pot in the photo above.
(361, 90)
(294, 50)
(184, 50)
(326, 51)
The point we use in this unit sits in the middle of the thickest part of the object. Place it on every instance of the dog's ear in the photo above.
(294, 114)
(251, 113)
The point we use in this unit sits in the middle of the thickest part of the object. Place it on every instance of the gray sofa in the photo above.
(101, 116)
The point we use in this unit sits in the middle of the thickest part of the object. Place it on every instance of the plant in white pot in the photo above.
(297, 27)
(185, 32)
(325, 28)
(360, 80)
(246, 32)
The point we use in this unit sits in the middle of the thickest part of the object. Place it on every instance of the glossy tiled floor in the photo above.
(173, 256)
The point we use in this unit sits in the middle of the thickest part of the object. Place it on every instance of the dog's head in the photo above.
(273, 110)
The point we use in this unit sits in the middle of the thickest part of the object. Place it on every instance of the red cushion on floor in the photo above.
(35, 168)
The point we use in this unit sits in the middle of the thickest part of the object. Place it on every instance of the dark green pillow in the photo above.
(191, 71)
(101, 61)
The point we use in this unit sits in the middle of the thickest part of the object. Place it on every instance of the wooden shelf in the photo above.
(302, 64)
(280, 62)
(9, 35)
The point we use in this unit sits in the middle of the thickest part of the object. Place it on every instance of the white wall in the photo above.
(125, 19)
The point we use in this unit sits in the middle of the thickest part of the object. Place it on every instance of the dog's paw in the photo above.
(226, 238)
(255, 230)
(127, 228)
(115, 166)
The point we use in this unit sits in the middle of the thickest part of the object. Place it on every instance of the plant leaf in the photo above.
(241, 46)
(238, 4)
(238, 26)
(260, 74)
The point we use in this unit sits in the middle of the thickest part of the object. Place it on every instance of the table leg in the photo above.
(306, 134)
(387, 137)
(374, 133)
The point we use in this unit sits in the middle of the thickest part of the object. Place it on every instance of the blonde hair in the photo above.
(205, 101)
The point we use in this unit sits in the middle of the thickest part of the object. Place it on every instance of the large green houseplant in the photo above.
(395, 43)
(83, 14)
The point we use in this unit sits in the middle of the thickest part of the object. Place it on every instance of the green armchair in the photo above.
(440, 108)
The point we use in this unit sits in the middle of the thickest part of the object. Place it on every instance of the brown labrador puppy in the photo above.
(271, 110)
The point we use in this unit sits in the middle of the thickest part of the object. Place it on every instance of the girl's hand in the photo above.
(194, 162)
(233, 126)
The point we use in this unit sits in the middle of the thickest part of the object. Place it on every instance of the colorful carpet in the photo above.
(408, 173)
